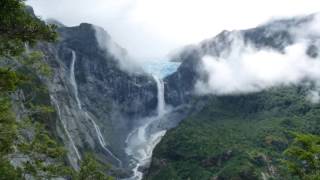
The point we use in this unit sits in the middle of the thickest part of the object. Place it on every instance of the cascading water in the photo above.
(72, 144)
(73, 79)
(160, 94)
(102, 141)
(96, 127)
(141, 141)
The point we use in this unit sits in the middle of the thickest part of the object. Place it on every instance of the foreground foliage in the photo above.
(303, 156)
(91, 170)
(27, 149)
(19, 27)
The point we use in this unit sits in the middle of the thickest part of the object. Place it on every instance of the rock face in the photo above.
(96, 102)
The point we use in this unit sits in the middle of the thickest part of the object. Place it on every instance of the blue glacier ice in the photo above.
(161, 68)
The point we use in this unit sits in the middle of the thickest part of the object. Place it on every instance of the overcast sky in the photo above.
(152, 28)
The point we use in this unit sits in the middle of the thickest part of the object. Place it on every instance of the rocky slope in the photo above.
(101, 106)
(97, 103)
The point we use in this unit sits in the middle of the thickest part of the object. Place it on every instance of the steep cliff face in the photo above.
(101, 107)
(97, 102)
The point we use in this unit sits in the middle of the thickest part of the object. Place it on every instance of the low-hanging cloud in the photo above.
(125, 62)
(246, 69)
(252, 70)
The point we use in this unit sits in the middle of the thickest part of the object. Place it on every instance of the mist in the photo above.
(252, 71)
(246, 69)
(125, 61)
(150, 29)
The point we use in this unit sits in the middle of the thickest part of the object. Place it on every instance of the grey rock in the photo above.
(112, 98)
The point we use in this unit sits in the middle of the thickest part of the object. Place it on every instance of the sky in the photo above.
(153, 28)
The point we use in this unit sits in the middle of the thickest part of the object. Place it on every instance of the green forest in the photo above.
(272, 134)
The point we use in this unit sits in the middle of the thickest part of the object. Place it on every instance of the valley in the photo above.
(243, 104)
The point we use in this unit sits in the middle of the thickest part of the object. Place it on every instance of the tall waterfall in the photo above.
(160, 94)
(73, 79)
(71, 142)
(142, 140)
(102, 141)
(96, 127)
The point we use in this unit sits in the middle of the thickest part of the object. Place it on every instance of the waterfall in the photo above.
(160, 96)
(66, 129)
(96, 127)
(102, 141)
(73, 79)
(142, 140)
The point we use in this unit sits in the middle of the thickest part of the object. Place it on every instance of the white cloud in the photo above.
(252, 70)
(245, 69)
(152, 28)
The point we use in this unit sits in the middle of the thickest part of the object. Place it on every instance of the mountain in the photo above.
(107, 106)
(96, 102)
(275, 35)
(241, 135)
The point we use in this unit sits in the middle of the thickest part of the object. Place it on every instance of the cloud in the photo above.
(152, 28)
(246, 69)
(125, 62)
(252, 70)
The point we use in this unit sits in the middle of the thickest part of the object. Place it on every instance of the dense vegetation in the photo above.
(303, 156)
(253, 136)
(27, 148)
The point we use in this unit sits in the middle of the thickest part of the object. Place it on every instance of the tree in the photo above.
(302, 156)
(90, 169)
(8, 172)
(19, 27)
(45, 154)
(8, 80)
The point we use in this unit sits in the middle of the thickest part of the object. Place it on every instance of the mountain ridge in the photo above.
(240, 135)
